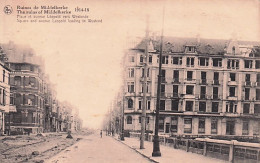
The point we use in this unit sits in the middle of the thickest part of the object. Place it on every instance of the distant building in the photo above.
(209, 87)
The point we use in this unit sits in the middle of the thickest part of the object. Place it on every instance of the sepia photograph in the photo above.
(129, 81)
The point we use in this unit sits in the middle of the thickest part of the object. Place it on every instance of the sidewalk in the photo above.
(168, 154)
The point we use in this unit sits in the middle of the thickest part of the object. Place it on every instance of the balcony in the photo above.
(232, 98)
(176, 80)
(257, 84)
(190, 80)
(230, 82)
(202, 96)
(142, 79)
(215, 82)
(248, 84)
(203, 81)
(173, 95)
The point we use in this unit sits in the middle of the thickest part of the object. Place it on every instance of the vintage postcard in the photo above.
(129, 81)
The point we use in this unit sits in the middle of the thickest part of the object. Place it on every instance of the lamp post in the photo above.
(122, 121)
(156, 145)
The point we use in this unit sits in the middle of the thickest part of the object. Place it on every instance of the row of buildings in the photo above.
(27, 97)
(209, 87)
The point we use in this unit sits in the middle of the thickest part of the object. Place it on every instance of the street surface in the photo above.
(93, 149)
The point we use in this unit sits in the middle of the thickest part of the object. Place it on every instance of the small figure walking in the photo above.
(101, 134)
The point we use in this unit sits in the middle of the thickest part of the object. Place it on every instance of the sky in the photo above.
(83, 60)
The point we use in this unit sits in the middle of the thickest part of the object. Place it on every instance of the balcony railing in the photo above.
(248, 83)
(203, 81)
(215, 82)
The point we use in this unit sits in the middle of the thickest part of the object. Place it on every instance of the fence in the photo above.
(233, 151)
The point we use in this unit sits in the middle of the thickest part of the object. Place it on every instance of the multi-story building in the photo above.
(4, 91)
(27, 94)
(209, 87)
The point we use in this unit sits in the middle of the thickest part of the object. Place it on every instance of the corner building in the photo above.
(27, 89)
(209, 87)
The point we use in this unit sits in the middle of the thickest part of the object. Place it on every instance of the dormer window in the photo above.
(190, 49)
(233, 50)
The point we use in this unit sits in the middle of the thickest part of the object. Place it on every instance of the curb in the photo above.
(149, 158)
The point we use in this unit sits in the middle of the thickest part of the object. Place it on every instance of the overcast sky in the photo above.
(83, 60)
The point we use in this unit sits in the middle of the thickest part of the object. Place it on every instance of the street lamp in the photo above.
(156, 145)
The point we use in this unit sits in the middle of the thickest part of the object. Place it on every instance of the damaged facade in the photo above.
(31, 93)
(209, 87)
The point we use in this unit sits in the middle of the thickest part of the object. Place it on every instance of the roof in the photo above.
(203, 46)
(21, 54)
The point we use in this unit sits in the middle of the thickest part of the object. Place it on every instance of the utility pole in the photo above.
(156, 145)
(143, 118)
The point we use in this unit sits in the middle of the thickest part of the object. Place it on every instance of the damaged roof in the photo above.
(203, 46)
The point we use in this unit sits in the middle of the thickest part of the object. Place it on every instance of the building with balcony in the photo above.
(209, 87)
(27, 89)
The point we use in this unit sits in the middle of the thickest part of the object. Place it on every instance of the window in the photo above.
(231, 107)
(141, 58)
(247, 93)
(177, 60)
(130, 86)
(246, 108)
(189, 89)
(163, 90)
(131, 58)
(140, 119)
(230, 128)
(257, 94)
(232, 91)
(3, 76)
(31, 68)
(131, 72)
(189, 75)
(232, 76)
(129, 120)
(216, 78)
(257, 64)
(162, 104)
(248, 64)
(247, 79)
(176, 75)
(201, 126)
(165, 59)
(12, 99)
(214, 107)
(174, 124)
(214, 126)
(17, 80)
(217, 62)
(130, 103)
(147, 120)
(161, 124)
(202, 92)
(148, 105)
(245, 128)
(18, 67)
(32, 81)
(175, 105)
(233, 50)
(190, 62)
(202, 106)
(187, 125)
(163, 75)
(175, 90)
(204, 61)
(189, 105)
(203, 77)
(233, 64)
(190, 49)
(257, 109)
(140, 105)
(215, 92)
(150, 59)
